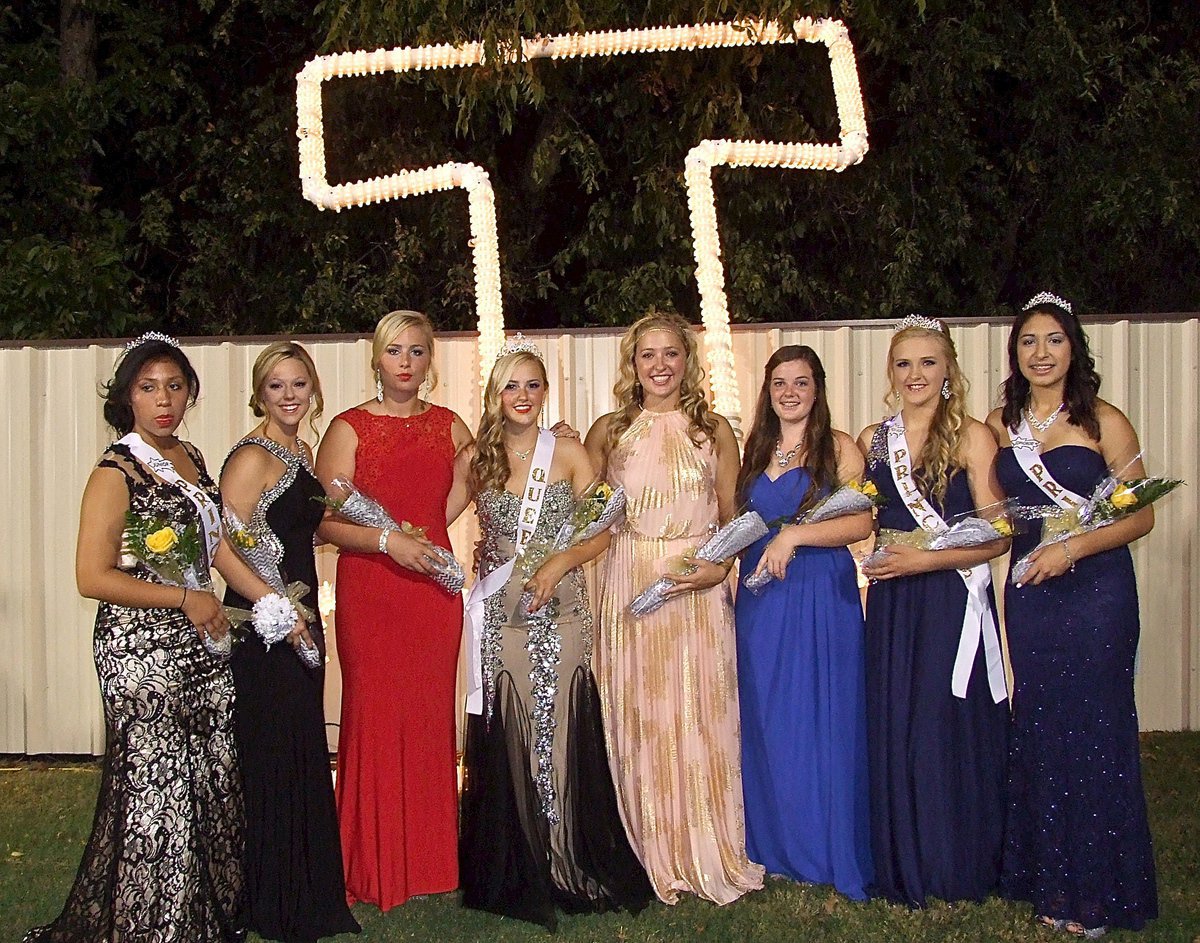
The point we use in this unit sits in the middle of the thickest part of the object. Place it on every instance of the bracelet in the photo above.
(183, 601)
(1070, 559)
(383, 539)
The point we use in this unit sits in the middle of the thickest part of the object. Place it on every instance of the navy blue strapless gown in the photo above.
(936, 761)
(800, 684)
(1077, 843)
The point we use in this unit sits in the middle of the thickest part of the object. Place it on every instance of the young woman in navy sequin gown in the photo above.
(1077, 843)
(800, 641)
(936, 759)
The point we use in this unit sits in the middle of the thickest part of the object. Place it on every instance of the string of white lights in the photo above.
(484, 240)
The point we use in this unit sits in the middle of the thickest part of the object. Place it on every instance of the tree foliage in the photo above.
(1014, 146)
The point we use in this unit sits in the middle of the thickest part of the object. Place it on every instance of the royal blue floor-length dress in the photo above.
(800, 682)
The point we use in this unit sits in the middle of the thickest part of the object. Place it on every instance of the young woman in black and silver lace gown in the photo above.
(164, 858)
(540, 826)
(294, 882)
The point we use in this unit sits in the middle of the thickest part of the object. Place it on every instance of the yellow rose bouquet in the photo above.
(262, 551)
(1111, 500)
(970, 529)
(175, 556)
(600, 507)
(854, 497)
(360, 508)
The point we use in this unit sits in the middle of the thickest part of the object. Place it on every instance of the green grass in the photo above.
(45, 814)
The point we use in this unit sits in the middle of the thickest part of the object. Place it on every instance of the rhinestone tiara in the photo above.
(519, 344)
(1045, 297)
(151, 336)
(919, 320)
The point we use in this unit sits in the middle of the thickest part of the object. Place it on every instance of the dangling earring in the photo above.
(946, 388)
(378, 386)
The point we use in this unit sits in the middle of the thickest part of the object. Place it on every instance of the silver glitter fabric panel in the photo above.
(567, 612)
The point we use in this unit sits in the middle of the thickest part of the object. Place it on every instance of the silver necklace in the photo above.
(785, 458)
(523, 456)
(1041, 425)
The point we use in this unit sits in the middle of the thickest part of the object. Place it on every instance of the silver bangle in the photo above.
(383, 539)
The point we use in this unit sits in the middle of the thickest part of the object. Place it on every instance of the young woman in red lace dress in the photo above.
(398, 631)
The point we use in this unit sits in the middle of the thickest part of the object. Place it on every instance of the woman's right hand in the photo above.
(206, 613)
(779, 553)
(418, 555)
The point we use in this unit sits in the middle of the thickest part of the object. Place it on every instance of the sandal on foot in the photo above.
(1050, 923)
(1075, 928)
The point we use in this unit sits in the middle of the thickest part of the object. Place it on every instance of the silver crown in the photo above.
(1045, 297)
(919, 320)
(151, 336)
(519, 344)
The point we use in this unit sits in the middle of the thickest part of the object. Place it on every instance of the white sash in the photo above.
(978, 622)
(527, 521)
(210, 514)
(1028, 452)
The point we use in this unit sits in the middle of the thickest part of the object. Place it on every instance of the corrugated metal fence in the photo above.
(53, 430)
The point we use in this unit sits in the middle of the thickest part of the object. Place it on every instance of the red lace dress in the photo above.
(397, 639)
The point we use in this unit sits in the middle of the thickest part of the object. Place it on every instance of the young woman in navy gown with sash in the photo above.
(937, 710)
(1077, 843)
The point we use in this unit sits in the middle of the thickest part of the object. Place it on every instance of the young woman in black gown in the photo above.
(1077, 844)
(293, 857)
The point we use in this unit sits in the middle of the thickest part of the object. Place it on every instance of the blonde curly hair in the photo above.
(941, 454)
(489, 469)
(693, 401)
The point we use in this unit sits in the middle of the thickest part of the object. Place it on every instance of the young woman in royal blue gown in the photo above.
(936, 719)
(800, 641)
(1077, 844)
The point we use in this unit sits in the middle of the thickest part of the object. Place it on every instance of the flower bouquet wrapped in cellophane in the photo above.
(854, 497)
(360, 508)
(729, 540)
(175, 555)
(600, 507)
(964, 531)
(1110, 501)
(262, 550)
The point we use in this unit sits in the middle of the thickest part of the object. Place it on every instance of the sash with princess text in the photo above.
(1028, 453)
(978, 621)
(527, 521)
(210, 514)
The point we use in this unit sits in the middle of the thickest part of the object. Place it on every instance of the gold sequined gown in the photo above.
(668, 681)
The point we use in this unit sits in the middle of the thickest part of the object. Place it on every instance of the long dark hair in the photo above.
(118, 413)
(1081, 386)
(818, 452)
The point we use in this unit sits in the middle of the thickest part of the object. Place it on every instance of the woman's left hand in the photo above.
(704, 575)
(901, 560)
(542, 584)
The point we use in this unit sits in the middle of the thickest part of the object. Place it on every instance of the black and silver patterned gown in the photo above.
(164, 859)
(540, 825)
(294, 879)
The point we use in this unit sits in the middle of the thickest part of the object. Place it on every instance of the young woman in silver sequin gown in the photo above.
(540, 827)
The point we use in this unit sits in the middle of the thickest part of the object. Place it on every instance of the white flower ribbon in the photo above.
(978, 621)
